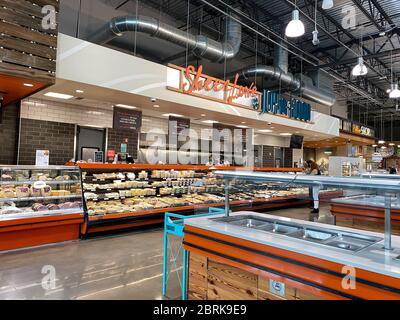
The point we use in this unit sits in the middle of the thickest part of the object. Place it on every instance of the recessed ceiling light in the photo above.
(286, 134)
(391, 144)
(272, 127)
(265, 130)
(374, 145)
(241, 126)
(79, 91)
(203, 114)
(172, 115)
(381, 142)
(58, 95)
(95, 112)
(243, 122)
(210, 121)
(383, 147)
(125, 106)
(156, 106)
(28, 84)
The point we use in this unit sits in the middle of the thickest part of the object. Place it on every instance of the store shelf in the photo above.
(75, 196)
(184, 208)
(52, 182)
(33, 214)
(101, 166)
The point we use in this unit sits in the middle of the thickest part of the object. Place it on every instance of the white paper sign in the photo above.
(42, 157)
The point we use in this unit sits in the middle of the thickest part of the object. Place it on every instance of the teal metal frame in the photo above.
(174, 225)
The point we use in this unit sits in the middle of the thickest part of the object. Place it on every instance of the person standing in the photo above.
(314, 190)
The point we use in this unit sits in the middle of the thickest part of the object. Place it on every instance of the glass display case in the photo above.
(367, 193)
(31, 191)
(295, 258)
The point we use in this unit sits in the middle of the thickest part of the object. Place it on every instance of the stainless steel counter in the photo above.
(357, 248)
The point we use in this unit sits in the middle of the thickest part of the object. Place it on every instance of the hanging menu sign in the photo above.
(126, 119)
(178, 124)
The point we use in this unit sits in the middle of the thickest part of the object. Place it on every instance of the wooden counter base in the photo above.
(28, 232)
(364, 218)
(226, 267)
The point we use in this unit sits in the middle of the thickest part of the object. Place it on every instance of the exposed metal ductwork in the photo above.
(199, 45)
(299, 84)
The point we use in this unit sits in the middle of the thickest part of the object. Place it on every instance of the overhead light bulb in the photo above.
(327, 4)
(394, 92)
(360, 69)
(295, 27)
(381, 141)
(315, 40)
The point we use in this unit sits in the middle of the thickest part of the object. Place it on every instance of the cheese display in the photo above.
(29, 191)
(139, 190)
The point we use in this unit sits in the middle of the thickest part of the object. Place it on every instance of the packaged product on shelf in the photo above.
(45, 191)
(22, 192)
(35, 192)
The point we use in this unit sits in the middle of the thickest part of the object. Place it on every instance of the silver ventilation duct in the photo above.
(201, 46)
(299, 84)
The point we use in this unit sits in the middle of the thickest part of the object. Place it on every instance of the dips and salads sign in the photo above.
(194, 82)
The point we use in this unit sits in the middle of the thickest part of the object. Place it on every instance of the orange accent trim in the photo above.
(371, 214)
(30, 232)
(95, 229)
(42, 219)
(111, 166)
(363, 291)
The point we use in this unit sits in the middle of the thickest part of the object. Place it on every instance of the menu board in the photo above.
(178, 124)
(126, 119)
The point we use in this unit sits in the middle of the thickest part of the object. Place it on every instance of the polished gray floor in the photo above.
(125, 266)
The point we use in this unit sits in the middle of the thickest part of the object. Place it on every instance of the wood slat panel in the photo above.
(197, 277)
(22, 19)
(27, 60)
(27, 34)
(264, 292)
(42, 3)
(28, 47)
(229, 283)
(23, 6)
(26, 73)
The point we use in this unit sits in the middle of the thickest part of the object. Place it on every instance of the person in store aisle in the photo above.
(314, 170)
(392, 170)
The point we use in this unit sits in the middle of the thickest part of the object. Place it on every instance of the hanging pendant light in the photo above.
(295, 28)
(327, 4)
(360, 68)
(394, 91)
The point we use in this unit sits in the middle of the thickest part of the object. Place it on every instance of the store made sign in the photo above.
(274, 102)
(194, 82)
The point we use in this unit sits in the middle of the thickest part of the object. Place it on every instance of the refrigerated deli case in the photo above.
(367, 209)
(39, 205)
(247, 255)
(119, 196)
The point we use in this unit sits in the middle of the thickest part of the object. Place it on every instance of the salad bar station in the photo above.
(246, 255)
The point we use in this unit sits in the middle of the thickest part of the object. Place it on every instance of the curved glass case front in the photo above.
(30, 191)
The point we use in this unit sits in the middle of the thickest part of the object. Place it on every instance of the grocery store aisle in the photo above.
(124, 266)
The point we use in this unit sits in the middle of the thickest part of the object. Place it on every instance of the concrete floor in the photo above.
(124, 266)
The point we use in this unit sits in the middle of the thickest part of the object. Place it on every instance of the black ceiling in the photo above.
(377, 23)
